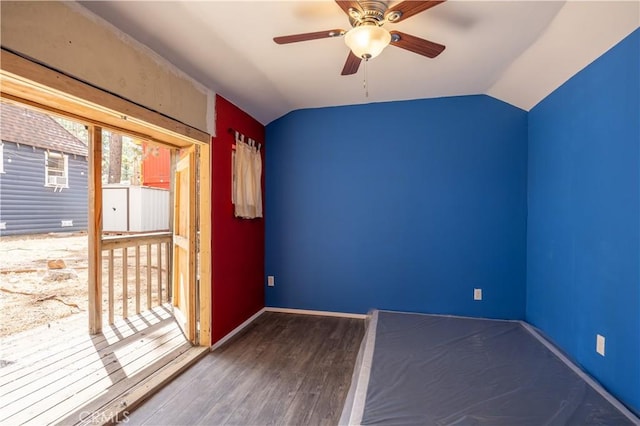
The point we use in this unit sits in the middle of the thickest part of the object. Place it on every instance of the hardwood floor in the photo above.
(282, 369)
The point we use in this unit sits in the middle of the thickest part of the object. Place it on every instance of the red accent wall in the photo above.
(238, 244)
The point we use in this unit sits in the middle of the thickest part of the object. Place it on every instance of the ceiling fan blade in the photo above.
(416, 44)
(409, 8)
(294, 38)
(346, 5)
(352, 64)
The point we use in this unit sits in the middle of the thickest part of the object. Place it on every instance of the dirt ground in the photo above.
(31, 295)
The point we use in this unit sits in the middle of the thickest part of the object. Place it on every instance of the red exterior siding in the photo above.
(238, 244)
(156, 166)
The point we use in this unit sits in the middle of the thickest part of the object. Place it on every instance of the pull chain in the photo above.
(364, 83)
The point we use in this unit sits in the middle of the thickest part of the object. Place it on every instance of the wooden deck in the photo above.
(61, 374)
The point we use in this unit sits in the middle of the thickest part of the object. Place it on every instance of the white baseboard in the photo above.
(236, 330)
(319, 313)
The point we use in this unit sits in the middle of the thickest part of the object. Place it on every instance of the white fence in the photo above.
(134, 208)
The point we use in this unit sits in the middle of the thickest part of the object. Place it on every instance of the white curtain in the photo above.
(247, 189)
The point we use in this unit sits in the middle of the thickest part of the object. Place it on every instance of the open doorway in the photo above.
(26, 82)
(147, 257)
(67, 374)
(145, 204)
(44, 221)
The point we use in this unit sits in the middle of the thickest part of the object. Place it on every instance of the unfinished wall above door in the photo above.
(70, 39)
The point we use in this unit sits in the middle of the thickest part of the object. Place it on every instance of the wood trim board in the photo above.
(35, 84)
(95, 230)
(204, 290)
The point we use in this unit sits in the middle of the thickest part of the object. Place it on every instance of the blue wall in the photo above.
(583, 262)
(401, 205)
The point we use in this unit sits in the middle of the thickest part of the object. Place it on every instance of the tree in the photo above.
(115, 158)
(121, 155)
(79, 130)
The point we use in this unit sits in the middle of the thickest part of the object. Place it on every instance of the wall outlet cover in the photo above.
(600, 344)
(477, 294)
(271, 281)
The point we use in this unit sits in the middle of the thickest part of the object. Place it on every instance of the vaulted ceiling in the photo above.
(516, 51)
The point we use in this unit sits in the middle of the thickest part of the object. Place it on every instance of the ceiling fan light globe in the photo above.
(367, 41)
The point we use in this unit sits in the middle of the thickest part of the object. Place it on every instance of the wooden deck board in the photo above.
(67, 337)
(58, 372)
(120, 408)
(79, 363)
(71, 414)
(101, 371)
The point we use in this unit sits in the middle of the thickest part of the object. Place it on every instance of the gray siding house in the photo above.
(43, 175)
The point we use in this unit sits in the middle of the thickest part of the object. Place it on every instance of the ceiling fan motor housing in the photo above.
(372, 13)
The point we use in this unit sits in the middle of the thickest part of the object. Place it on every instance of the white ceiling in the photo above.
(516, 51)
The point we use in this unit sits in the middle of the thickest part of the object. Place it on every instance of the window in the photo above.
(56, 170)
(1, 157)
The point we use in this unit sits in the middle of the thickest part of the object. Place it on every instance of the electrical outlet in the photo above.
(600, 344)
(477, 294)
(271, 281)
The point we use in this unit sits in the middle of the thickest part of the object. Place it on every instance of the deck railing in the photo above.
(136, 273)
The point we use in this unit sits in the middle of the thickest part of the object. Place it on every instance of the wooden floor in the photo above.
(62, 374)
(282, 369)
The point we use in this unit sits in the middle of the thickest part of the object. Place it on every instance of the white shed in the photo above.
(134, 208)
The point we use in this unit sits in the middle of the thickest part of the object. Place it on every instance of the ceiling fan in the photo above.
(367, 38)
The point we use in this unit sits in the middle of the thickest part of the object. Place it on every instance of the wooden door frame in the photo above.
(185, 245)
(34, 85)
(94, 230)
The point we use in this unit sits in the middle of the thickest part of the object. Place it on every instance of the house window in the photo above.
(56, 170)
